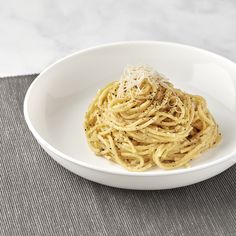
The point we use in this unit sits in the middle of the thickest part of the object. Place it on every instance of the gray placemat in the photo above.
(39, 197)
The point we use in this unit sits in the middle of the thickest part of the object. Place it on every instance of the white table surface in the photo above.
(35, 33)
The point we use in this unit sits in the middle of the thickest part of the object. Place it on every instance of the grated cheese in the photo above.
(133, 76)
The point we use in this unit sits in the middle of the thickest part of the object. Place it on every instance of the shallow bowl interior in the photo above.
(58, 99)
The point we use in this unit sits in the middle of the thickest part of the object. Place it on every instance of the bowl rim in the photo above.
(54, 150)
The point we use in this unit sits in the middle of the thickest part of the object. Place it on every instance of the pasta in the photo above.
(142, 121)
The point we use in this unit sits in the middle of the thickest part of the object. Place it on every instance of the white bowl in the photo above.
(57, 100)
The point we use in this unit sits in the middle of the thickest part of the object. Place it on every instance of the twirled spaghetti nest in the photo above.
(146, 122)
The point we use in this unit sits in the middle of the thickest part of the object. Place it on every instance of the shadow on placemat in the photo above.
(39, 197)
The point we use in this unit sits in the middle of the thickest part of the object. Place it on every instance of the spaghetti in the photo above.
(142, 121)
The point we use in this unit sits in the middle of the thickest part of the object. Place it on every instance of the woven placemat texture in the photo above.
(39, 197)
